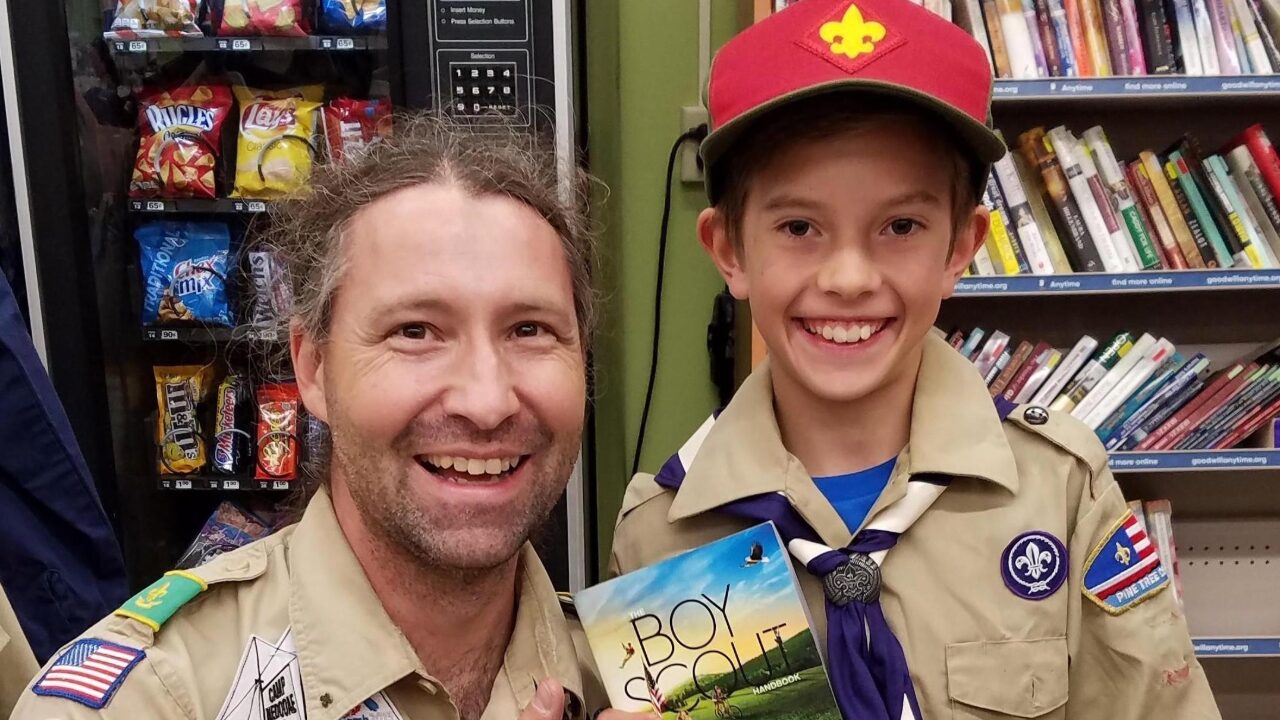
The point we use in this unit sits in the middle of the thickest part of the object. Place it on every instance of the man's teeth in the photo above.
(473, 466)
(843, 333)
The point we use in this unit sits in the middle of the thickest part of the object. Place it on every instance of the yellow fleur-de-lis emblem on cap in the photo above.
(852, 36)
(153, 597)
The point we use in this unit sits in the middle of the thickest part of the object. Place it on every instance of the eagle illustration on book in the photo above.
(756, 557)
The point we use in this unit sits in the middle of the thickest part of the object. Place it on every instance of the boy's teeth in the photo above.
(844, 333)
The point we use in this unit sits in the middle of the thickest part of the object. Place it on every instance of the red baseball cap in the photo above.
(891, 48)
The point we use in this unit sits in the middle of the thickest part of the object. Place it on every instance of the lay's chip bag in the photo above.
(283, 18)
(277, 147)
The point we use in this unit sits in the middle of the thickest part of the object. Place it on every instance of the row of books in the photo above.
(1156, 518)
(1062, 204)
(1135, 393)
(1100, 38)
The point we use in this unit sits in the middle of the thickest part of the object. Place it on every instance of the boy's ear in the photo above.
(713, 234)
(968, 240)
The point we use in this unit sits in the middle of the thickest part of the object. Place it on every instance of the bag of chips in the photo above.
(185, 269)
(229, 527)
(179, 147)
(353, 17)
(353, 126)
(277, 141)
(278, 409)
(263, 18)
(179, 392)
(155, 18)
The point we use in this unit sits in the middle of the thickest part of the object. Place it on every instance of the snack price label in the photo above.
(182, 484)
(257, 206)
(168, 334)
(137, 46)
(240, 44)
(155, 206)
(346, 44)
(230, 484)
(280, 485)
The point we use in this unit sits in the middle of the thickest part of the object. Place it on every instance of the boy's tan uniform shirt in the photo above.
(17, 664)
(307, 578)
(975, 649)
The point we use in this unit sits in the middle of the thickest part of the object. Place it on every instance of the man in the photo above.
(441, 313)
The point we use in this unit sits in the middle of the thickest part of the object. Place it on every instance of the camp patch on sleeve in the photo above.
(1124, 569)
(89, 672)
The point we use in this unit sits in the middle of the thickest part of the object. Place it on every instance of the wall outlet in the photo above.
(691, 116)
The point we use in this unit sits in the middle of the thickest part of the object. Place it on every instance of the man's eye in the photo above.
(413, 331)
(902, 226)
(527, 330)
(798, 228)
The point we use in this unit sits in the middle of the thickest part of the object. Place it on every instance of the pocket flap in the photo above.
(1021, 678)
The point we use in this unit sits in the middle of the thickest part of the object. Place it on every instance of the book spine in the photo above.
(1180, 173)
(1162, 415)
(1250, 425)
(1070, 365)
(990, 354)
(999, 230)
(1264, 32)
(982, 264)
(1116, 232)
(1254, 248)
(1210, 191)
(1117, 41)
(1193, 418)
(1187, 45)
(971, 344)
(1202, 244)
(1253, 221)
(1224, 37)
(1204, 37)
(1079, 247)
(1036, 381)
(1232, 407)
(995, 35)
(956, 339)
(996, 368)
(1095, 37)
(1037, 42)
(1062, 35)
(1256, 193)
(1020, 217)
(1159, 223)
(1258, 61)
(1098, 393)
(1164, 373)
(1083, 194)
(1189, 374)
(978, 28)
(1169, 204)
(1092, 372)
(1166, 426)
(1011, 228)
(1075, 28)
(1121, 198)
(1037, 358)
(1129, 383)
(1033, 187)
(1160, 516)
(1017, 39)
(1157, 39)
(1264, 155)
(1048, 43)
(1019, 358)
(1137, 59)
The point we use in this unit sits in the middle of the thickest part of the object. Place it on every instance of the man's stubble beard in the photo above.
(452, 542)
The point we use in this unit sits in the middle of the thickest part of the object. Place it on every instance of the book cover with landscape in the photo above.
(720, 631)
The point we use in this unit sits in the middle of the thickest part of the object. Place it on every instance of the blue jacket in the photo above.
(60, 563)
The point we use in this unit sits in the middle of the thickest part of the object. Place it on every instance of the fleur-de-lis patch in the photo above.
(1034, 561)
(852, 36)
(1034, 565)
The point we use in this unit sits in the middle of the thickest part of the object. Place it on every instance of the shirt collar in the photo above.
(349, 649)
(955, 431)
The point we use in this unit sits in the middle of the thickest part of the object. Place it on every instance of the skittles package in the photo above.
(353, 126)
(179, 148)
(353, 17)
(277, 141)
(179, 392)
(283, 18)
(155, 18)
(184, 272)
(279, 411)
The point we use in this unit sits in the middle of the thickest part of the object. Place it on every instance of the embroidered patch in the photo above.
(161, 599)
(89, 672)
(1124, 569)
(850, 38)
(1036, 415)
(268, 683)
(378, 707)
(1034, 565)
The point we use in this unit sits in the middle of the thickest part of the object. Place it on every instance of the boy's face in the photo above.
(844, 256)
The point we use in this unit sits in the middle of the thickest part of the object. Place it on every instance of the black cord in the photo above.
(698, 134)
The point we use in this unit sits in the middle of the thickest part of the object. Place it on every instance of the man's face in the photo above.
(453, 379)
(845, 258)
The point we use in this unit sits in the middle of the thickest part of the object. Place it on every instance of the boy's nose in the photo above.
(848, 272)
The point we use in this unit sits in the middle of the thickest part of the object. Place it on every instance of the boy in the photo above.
(964, 560)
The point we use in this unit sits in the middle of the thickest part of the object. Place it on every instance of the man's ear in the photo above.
(968, 239)
(713, 235)
(308, 368)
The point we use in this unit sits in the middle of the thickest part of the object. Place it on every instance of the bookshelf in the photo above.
(1226, 503)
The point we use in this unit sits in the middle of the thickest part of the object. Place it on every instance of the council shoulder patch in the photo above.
(89, 672)
(1124, 569)
(157, 602)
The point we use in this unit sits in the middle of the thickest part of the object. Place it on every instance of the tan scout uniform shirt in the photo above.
(975, 649)
(17, 663)
(307, 578)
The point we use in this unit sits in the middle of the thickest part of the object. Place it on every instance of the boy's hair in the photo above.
(823, 117)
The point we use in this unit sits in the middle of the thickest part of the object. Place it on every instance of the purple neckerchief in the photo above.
(868, 668)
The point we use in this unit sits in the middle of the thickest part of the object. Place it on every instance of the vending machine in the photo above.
(103, 202)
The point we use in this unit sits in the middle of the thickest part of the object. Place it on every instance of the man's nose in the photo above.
(482, 389)
(848, 271)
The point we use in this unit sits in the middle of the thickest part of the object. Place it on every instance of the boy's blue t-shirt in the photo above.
(853, 494)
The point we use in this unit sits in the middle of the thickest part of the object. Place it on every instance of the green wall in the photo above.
(641, 67)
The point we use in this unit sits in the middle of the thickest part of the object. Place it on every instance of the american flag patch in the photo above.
(89, 672)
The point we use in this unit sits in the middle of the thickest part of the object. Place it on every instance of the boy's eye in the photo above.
(902, 226)
(798, 228)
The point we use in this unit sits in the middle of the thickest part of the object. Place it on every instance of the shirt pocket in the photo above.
(1008, 679)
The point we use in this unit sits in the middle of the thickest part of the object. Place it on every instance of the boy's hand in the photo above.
(548, 704)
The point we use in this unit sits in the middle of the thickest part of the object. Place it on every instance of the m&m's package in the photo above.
(178, 151)
(185, 269)
(262, 18)
(353, 17)
(353, 126)
(279, 408)
(277, 148)
(155, 18)
(179, 392)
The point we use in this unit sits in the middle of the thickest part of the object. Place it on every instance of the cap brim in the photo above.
(978, 137)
